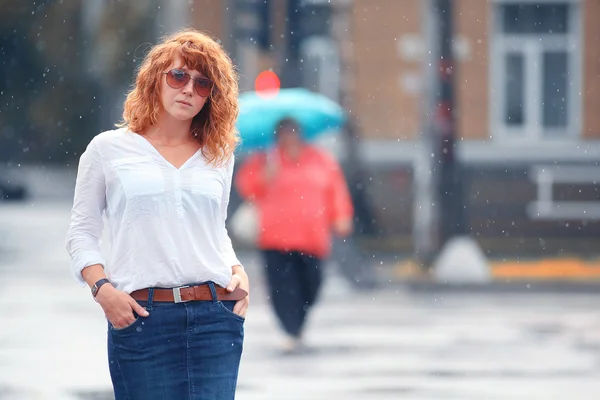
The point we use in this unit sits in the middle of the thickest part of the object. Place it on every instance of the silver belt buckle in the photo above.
(177, 294)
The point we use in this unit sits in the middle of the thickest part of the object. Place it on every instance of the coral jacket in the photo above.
(300, 203)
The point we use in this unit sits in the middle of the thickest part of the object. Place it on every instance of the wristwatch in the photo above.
(97, 286)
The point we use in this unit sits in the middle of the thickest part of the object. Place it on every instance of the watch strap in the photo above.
(99, 284)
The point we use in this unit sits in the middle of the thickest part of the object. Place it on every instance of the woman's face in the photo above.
(289, 139)
(182, 103)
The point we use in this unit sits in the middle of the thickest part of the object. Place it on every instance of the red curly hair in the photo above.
(214, 125)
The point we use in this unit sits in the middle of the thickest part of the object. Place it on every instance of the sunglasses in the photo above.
(177, 78)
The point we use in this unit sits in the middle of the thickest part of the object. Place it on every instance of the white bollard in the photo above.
(462, 261)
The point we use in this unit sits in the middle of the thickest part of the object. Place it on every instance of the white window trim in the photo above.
(536, 1)
(498, 46)
(481, 152)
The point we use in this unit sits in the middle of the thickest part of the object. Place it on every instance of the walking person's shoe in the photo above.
(293, 345)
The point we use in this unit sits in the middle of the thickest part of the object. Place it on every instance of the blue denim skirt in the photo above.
(180, 351)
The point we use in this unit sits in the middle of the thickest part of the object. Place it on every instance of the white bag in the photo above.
(244, 224)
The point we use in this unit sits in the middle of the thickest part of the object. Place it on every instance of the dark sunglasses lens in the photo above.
(203, 87)
(177, 78)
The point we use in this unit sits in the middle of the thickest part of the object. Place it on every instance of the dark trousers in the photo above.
(294, 280)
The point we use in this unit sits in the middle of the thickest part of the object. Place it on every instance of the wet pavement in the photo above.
(383, 344)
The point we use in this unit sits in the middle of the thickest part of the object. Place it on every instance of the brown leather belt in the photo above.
(189, 293)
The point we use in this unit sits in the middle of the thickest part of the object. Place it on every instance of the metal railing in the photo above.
(547, 208)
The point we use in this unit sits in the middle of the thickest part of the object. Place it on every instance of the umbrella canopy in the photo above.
(259, 115)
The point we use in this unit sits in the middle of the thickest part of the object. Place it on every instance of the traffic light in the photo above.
(252, 22)
(267, 84)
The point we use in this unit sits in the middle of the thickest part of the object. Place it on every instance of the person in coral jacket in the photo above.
(301, 197)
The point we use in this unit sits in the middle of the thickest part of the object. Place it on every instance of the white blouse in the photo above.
(166, 225)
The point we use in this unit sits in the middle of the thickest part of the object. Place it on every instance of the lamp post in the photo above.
(439, 214)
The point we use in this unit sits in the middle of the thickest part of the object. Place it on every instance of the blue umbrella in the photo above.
(259, 115)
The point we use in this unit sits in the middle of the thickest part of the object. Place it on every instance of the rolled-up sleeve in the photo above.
(225, 240)
(85, 229)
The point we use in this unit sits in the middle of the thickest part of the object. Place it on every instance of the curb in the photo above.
(551, 275)
(532, 287)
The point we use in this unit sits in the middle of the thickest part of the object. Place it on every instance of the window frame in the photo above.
(532, 47)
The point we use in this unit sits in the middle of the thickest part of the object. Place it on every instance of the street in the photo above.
(384, 344)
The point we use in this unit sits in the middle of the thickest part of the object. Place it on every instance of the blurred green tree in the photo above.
(46, 97)
(64, 73)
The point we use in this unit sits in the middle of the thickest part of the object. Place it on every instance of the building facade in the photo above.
(527, 89)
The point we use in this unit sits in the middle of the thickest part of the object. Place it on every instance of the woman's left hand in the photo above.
(240, 279)
(343, 227)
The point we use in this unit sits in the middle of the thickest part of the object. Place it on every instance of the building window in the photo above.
(535, 69)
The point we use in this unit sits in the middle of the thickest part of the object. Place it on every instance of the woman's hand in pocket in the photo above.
(118, 306)
(240, 279)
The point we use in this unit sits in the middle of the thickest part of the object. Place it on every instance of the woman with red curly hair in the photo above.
(173, 291)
